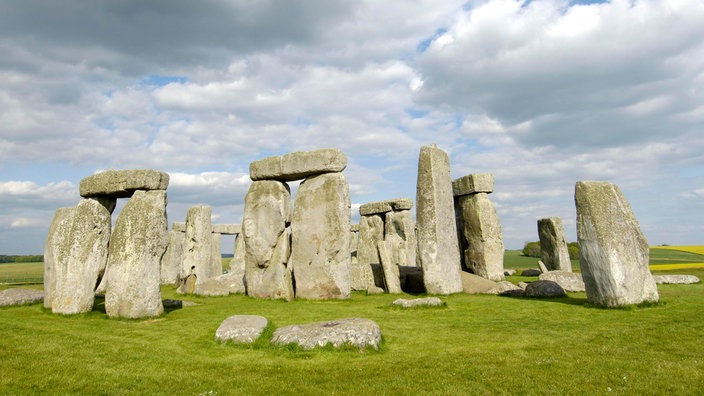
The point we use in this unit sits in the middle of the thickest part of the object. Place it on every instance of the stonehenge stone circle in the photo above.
(59, 231)
(613, 251)
(438, 245)
(173, 258)
(553, 247)
(298, 165)
(392, 278)
(197, 253)
(122, 183)
(136, 247)
(484, 253)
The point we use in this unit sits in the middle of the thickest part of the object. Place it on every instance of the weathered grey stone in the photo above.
(509, 272)
(614, 253)
(541, 266)
(356, 332)
(381, 207)
(241, 329)
(531, 272)
(198, 250)
(375, 290)
(136, 247)
(484, 254)
(227, 229)
(544, 289)
(187, 284)
(400, 233)
(223, 285)
(354, 227)
(237, 265)
(320, 237)
(176, 226)
(676, 279)
(298, 165)
(122, 183)
(436, 228)
(267, 211)
(371, 231)
(418, 302)
(81, 258)
(504, 287)
(172, 261)
(19, 296)
(475, 284)
(570, 281)
(472, 184)
(553, 247)
(215, 254)
(392, 279)
(59, 231)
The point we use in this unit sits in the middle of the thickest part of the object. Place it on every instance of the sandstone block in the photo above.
(392, 278)
(438, 245)
(222, 285)
(59, 231)
(553, 247)
(481, 230)
(371, 231)
(418, 302)
(475, 284)
(614, 253)
(400, 233)
(198, 249)
(123, 183)
(356, 332)
(177, 226)
(241, 329)
(19, 296)
(298, 165)
(385, 206)
(676, 279)
(472, 184)
(136, 247)
(172, 261)
(570, 281)
(227, 229)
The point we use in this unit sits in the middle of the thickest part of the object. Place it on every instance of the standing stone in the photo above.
(81, 258)
(172, 262)
(320, 250)
(613, 251)
(437, 232)
(136, 247)
(58, 233)
(400, 232)
(484, 254)
(216, 254)
(392, 279)
(267, 211)
(237, 265)
(197, 254)
(367, 271)
(553, 248)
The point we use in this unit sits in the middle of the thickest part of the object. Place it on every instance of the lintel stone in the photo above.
(385, 206)
(472, 184)
(122, 183)
(224, 229)
(298, 165)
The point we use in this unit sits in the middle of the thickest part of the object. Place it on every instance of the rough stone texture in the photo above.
(320, 251)
(267, 211)
(19, 296)
(371, 231)
(298, 165)
(176, 226)
(392, 279)
(356, 332)
(613, 251)
(237, 265)
(400, 233)
(375, 290)
(226, 229)
(475, 284)
(472, 184)
(215, 254)
(354, 227)
(241, 329)
(676, 279)
(481, 230)
(438, 245)
(570, 281)
(504, 287)
(531, 272)
(418, 302)
(544, 289)
(553, 247)
(58, 233)
(222, 285)
(198, 246)
(81, 258)
(136, 247)
(172, 261)
(541, 266)
(123, 183)
(381, 207)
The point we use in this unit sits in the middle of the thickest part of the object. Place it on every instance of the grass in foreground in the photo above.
(474, 345)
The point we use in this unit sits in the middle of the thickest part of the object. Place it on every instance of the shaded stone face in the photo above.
(122, 183)
(484, 254)
(58, 233)
(371, 232)
(198, 249)
(298, 165)
(436, 227)
(614, 253)
(400, 233)
(553, 247)
(172, 261)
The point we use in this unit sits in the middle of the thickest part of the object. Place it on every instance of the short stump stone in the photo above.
(358, 332)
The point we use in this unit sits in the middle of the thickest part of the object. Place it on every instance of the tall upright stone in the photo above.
(267, 211)
(81, 258)
(614, 253)
(58, 233)
(400, 233)
(320, 246)
(197, 253)
(172, 262)
(436, 229)
(367, 271)
(216, 253)
(137, 244)
(484, 254)
(553, 247)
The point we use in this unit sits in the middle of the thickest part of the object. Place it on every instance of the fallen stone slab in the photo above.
(358, 332)
(221, 285)
(298, 165)
(385, 206)
(241, 329)
(544, 289)
(473, 184)
(19, 296)
(504, 287)
(676, 279)
(475, 284)
(122, 183)
(531, 272)
(418, 302)
(170, 303)
(570, 281)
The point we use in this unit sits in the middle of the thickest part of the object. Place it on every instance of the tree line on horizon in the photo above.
(33, 258)
(532, 249)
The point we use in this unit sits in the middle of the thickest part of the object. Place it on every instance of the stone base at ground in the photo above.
(241, 329)
(356, 332)
(570, 281)
(222, 285)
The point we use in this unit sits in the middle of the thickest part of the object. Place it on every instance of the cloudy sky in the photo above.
(540, 93)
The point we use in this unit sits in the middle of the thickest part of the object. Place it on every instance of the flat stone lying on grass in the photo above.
(418, 302)
(676, 279)
(241, 328)
(19, 296)
(570, 281)
(475, 284)
(531, 272)
(544, 289)
(357, 332)
(222, 285)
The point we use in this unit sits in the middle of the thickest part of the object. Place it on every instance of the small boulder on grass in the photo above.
(531, 272)
(357, 332)
(244, 329)
(544, 289)
(418, 302)
(676, 279)
(19, 296)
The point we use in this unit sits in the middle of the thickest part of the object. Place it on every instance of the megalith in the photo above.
(267, 211)
(137, 245)
(58, 233)
(320, 246)
(81, 258)
(122, 183)
(613, 251)
(172, 262)
(553, 247)
(197, 253)
(298, 165)
(436, 228)
(400, 232)
(367, 270)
